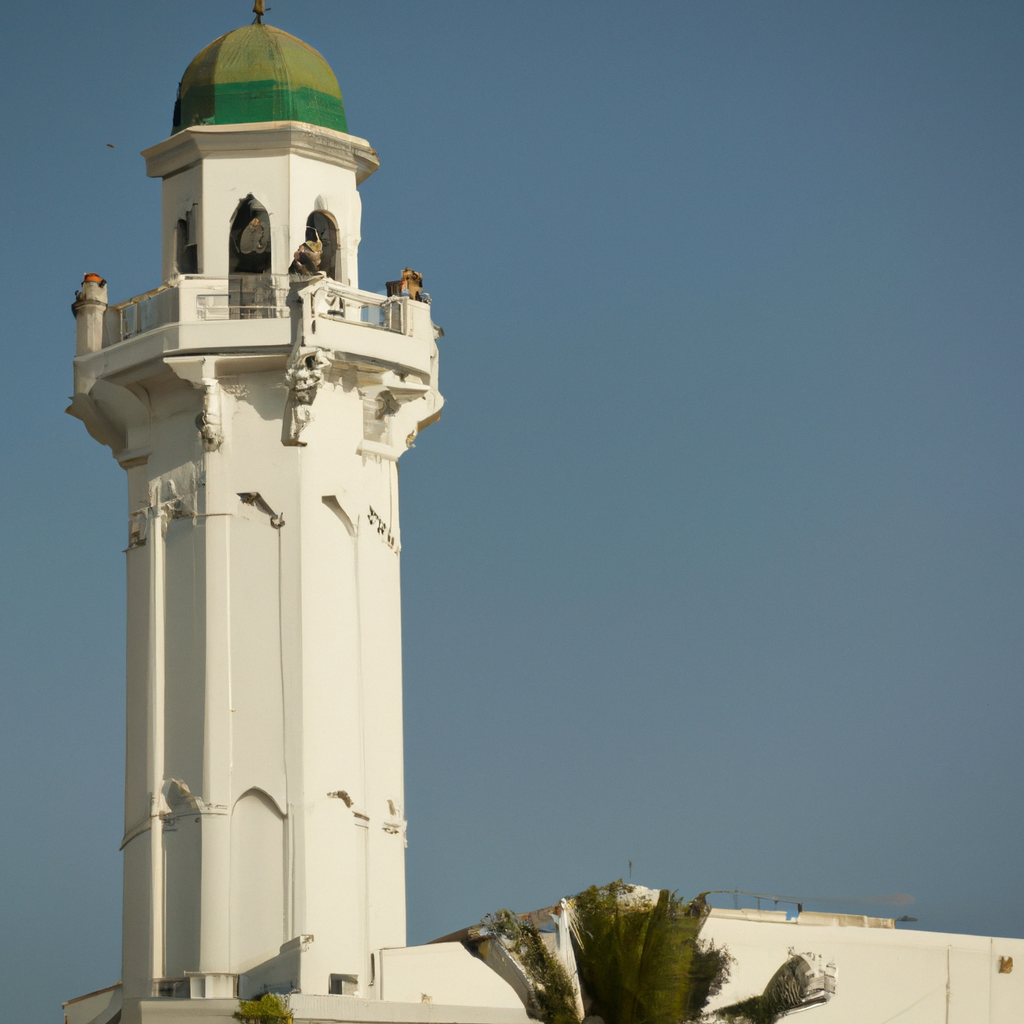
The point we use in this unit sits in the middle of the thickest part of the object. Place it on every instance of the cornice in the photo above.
(189, 146)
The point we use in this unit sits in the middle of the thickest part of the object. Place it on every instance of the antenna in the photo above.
(897, 898)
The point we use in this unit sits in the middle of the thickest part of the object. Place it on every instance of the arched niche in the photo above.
(186, 244)
(321, 226)
(249, 243)
(258, 879)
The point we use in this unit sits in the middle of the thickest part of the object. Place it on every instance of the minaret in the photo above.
(260, 415)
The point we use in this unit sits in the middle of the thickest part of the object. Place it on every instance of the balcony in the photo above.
(194, 299)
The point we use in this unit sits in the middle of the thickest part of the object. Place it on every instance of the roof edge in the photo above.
(190, 145)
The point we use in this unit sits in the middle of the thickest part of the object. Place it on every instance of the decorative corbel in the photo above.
(304, 376)
(196, 370)
(209, 421)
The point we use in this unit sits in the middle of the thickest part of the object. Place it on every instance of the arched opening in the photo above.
(323, 228)
(258, 880)
(252, 290)
(249, 248)
(186, 244)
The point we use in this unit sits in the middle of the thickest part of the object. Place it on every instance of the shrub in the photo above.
(552, 988)
(268, 1009)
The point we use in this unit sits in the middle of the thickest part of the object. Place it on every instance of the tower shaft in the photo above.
(260, 416)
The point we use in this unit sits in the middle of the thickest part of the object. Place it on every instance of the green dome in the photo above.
(258, 73)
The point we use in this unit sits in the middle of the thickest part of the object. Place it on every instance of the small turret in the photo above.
(89, 306)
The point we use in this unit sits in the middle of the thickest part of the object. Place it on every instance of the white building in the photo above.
(260, 417)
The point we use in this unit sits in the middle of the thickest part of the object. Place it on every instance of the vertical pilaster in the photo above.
(215, 899)
(157, 624)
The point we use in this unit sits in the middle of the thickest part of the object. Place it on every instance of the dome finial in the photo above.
(258, 10)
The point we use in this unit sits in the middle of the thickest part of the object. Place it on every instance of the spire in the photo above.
(258, 10)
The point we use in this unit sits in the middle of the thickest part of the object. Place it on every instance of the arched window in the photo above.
(249, 248)
(323, 227)
(186, 248)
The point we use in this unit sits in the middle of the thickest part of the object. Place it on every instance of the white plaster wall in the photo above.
(101, 1006)
(443, 972)
(136, 934)
(257, 684)
(282, 686)
(310, 180)
(137, 753)
(184, 651)
(288, 185)
(178, 194)
(883, 975)
(182, 840)
(259, 880)
(334, 747)
(287, 181)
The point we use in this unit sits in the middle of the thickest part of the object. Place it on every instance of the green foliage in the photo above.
(755, 1010)
(268, 1009)
(553, 990)
(641, 963)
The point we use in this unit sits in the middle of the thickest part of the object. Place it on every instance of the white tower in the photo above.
(260, 416)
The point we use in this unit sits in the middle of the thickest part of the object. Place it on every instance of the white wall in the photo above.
(882, 974)
(443, 972)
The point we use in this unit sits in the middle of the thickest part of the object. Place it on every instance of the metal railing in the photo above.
(344, 303)
(147, 312)
(258, 296)
(247, 297)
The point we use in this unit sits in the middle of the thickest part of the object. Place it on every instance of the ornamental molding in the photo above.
(191, 145)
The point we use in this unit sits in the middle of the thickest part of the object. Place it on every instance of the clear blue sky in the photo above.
(714, 562)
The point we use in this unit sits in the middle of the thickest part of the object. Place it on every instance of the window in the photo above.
(186, 247)
(249, 247)
(323, 227)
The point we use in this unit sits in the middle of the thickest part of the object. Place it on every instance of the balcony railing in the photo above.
(147, 312)
(338, 302)
(246, 297)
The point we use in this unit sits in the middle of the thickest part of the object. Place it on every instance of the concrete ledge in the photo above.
(169, 1011)
(310, 1009)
